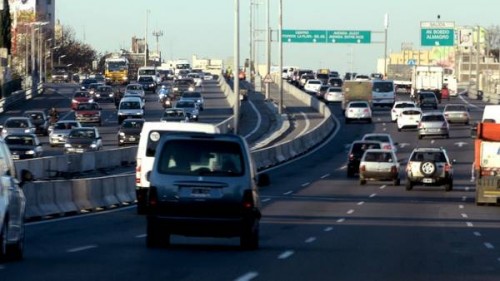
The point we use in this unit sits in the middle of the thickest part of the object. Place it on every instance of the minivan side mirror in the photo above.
(263, 180)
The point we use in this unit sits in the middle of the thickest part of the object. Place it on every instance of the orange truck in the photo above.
(487, 157)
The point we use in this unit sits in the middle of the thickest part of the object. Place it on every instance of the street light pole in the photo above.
(45, 55)
(386, 27)
(146, 39)
(268, 49)
(280, 30)
(59, 60)
(236, 66)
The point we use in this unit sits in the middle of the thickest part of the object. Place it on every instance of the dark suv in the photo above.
(203, 185)
(356, 153)
(429, 166)
(427, 99)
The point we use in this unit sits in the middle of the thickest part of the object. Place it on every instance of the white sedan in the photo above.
(385, 140)
(358, 110)
(400, 106)
(409, 118)
(334, 94)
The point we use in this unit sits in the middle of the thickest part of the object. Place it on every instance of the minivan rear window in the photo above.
(197, 157)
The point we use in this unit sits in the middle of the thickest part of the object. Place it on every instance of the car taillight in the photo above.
(74, 101)
(387, 146)
(366, 110)
(362, 168)
(351, 156)
(447, 167)
(138, 172)
(152, 198)
(408, 166)
(394, 170)
(248, 202)
(420, 125)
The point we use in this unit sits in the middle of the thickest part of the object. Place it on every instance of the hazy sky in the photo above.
(205, 28)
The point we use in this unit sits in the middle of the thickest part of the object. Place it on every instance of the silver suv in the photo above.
(429, 166)
(203, 185)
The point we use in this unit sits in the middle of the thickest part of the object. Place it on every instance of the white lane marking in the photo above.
(383, 124)
(259, 120)
(464, 198)
(468, 103)
(310, 239)
(266, 200)
(350, 211)
(288, 192)
(464, 216)
(328, 229)
(325, 176)
(467, 188)
(141, 236)
(373, 195)
(247, 276)
(489, 245)
(286, 255)
(460, 206)
(383, 186)
(308, 124)
(342, 168)
(469, 224)
(341, 220)
(384, 129)
(361, 203)
(83, 248)
(306, 184)
(432, 141)
(378, 119)
(477, 233)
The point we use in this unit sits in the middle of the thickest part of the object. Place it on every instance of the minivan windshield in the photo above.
(197, 157)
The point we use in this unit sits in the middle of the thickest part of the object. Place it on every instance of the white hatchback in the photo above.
(358, 110)
(399, 106)
(334, 94)
(312, 85)
(409, 118)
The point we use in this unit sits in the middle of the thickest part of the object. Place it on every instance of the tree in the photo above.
(5, 30)
(493, 40)
(79, 54)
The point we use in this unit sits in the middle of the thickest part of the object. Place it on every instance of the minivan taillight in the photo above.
(351, 157)
(152, 198)
(394, 170)
(138, 172)
(362, 168)
(447, 167)
(248, 202)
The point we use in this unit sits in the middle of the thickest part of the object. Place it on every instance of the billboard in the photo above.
(23, 12)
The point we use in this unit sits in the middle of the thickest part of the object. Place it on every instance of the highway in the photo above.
(317, 225)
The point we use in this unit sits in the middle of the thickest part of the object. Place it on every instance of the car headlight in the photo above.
(67, 145)
(91, 100)
(30, 152)
(27, 131)
(112, 95)
(97, 95)
(176, 88)
(122, 134)
(93, 145)
(65, 76)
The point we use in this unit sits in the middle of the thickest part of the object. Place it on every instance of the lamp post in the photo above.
(386, 27)
(236, 66)
(45, 55)
(280, 68)
(60, 57)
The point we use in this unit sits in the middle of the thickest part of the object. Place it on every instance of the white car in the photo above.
(358, 110)
(334, 94)
(409, 118)
(196, 78)
(312, 86)
(384, 139)
(399, 106)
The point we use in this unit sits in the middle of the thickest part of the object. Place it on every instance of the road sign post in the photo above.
(439, 33)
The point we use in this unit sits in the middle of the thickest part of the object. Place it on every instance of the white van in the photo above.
(383, 93)
(491, 113)
(150, 135)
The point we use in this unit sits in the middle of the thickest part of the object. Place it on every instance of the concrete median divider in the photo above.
(81, 194)
(125, 188)
(32, 208)
(46, 199)
(64, 197)
(109, 192)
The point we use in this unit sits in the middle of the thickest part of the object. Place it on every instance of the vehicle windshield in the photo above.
(404, 105)
(428, 156)
(455, 108)
(383, 87)
(132, 124)
(147, 72)
(433, 118)
(377, 138)
(16, 123)
(35, 116)
(65, 126)
(182, 66)
(378, 157)
(82, 134)
(116, 65)
(185, 104)
(359, 148)
(146, 79)
(81, 95)
(130, 105)
(201, 158)
(87, 106)
(358, 105)
(173, 114)
(191, 95)
(134, 87)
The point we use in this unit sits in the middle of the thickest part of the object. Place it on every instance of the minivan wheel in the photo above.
(409, 185)
(3, 240)
(350, 173)
(249, 239)
(157, 236)
(449, 185)
(15, 251)
(396, 182)
(362, 182)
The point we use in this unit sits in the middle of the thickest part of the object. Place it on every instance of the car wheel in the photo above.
(362, 182)
(249, 239)
(399, 129)
(157, 236)
(369, 121)
(449, 185)
(419, 137)
(350, 173)
(409, 185)
(347, 120)
(396, 182)
(447, 136)
(3, 239)
(428, 168)
(15, 251)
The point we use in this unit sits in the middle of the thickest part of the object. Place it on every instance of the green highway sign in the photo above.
(349, 36)
(325, 36)
(437, 33)
(303, 36)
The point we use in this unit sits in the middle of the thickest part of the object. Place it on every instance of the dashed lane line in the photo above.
(477, 233)
(361, 203)
(464, 215)
(350, 211)
(247, 276)
(80, 249)
(373, 195)
(288, 192)
(286, 255)
(325, 176)
(469, 224)
(328, 229)
(383, 186)
(341, 220)
(141, 236)
(460, 206)
(489, 245)
(310, 239)
(266, 200)
(305, 184)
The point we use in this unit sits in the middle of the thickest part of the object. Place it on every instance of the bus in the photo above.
(116, 70)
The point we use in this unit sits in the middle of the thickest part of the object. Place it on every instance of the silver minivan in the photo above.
(203, 185)
(379, 165)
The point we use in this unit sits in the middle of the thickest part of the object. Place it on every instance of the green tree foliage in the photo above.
(5, 30)
(79, 54)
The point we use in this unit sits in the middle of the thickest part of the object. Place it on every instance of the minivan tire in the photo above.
(449, 185)
(409, 184)
(249, 239)
(15, 251)
(156, 235)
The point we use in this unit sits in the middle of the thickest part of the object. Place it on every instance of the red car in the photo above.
(79, 97)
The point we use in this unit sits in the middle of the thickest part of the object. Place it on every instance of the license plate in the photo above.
(433, 130)
(200, 192)
(79, 150)
(15, 157)
(426, 180)
(131, 139)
